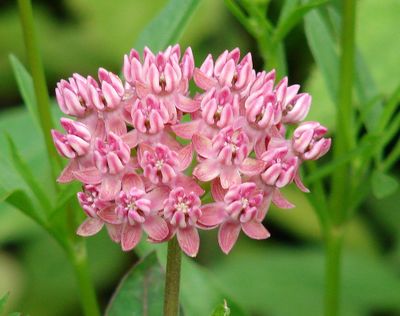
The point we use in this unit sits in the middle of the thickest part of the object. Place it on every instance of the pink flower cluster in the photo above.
(126, 146)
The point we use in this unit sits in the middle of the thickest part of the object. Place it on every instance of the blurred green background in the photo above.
(279, 276)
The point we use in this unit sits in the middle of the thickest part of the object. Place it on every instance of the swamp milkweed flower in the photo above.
(138, 178)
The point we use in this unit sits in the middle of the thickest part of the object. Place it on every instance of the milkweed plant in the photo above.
(168, 149)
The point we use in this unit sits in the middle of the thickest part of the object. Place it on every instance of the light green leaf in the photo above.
(222, 310)
(167, 27)
(25, 86)
(383, 185)
(140, 291)
(291, 15)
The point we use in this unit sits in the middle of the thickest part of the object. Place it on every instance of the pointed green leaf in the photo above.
(222, 310)
(140, 291)
(24, 171)
(167, 27)
(291, 15)
(20, 200)
(25, 86)
(383, 185)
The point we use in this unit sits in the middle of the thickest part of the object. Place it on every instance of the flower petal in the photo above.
(157, 197)
(207, 170)
(212, 215)
(217, 191)
(280, 201)
(185, 156)
(67, 175)
(130, 237)
(156, 228)
(189, 240)
(88, 176)
(230, 176)
(188, 183)
(252, 167)
(227, 235)
(203, 146)
(130, 181)
(114, 231)
(300, 183)
(187, 105)
(255, 230)
(109, 215)
(110, 187)
(186, 130)
(202, 81)
(90, 227)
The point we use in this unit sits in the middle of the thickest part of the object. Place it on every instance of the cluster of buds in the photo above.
(127, 146)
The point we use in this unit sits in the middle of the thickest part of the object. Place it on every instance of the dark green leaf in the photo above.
(25, 86)
(140, 291)
(222, 310)
(383, 185)
(291, 15)
(24, 171)
(167, 27)
(281, 278)
(196, 282)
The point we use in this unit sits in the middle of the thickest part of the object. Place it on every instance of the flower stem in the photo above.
(333, 248)
(39, 80)
(87, 294)
(172, 279)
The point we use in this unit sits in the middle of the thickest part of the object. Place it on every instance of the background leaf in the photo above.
(383, 185)
(140, 291)
(166, 28)
(222, 310)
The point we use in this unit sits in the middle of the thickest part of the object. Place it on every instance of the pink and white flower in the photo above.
(181, 211)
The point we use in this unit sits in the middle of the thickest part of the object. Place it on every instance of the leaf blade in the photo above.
(131, 299)
(167, 27)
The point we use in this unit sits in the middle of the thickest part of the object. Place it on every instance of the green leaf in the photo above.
(222, 310)
(140, 291)
(25, 86)
(291, 15)
(196, 281)
(275, 280)
(23, 169)
(3, 301)
(20, 200)
(167, 27)
(383, 185)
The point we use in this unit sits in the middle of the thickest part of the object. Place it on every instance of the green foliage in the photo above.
(25, 87)
(295, 275)
(140, 292)
(167, 27)
(222, 310)
(3, 301)
(383, 185)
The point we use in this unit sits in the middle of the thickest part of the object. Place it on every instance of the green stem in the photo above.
(39, 80)
(78, 256)
(172, 279)
(333, 248)
(344, 140)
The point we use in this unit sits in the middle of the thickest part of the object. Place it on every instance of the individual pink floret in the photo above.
(308, 141)
(136, 210)
(182, 211)
(226, 157)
